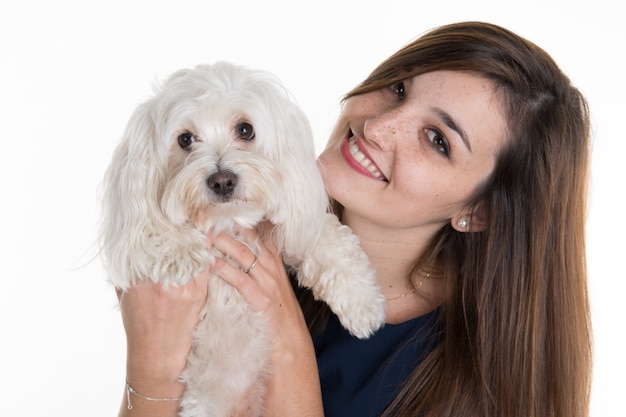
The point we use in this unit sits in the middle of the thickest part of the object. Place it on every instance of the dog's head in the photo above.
(216, 143)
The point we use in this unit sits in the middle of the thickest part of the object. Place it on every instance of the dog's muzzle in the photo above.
(222, 183)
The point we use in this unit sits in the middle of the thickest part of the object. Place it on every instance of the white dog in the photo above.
(218, 146)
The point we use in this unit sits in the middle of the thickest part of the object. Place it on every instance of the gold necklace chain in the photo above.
(412, 290)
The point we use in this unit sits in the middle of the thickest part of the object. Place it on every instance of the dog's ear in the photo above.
(303, 202)
(130, 194)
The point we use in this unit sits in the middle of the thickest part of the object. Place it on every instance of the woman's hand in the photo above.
(159, 324)
(265, 286)
(293, 387)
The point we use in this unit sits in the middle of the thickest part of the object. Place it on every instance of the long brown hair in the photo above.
(517, 336)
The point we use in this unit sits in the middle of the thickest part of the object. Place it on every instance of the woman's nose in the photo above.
(385, 129)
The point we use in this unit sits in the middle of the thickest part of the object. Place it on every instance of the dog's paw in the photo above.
(360, 308)
(347, 283)
(178, 259)
(350, 290)
(339, 273)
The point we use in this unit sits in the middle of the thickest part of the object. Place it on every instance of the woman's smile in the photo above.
(358, 158)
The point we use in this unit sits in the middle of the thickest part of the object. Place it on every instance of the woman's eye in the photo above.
(439, 141)
(185, 140)
(244, 131)
(398, 89)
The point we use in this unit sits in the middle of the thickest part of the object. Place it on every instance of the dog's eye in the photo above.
(245, 131)
(185, 140)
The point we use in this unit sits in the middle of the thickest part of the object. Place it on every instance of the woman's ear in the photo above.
(474, 221)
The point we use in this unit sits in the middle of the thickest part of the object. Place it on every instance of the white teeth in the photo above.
(363, 160)
(354, 150)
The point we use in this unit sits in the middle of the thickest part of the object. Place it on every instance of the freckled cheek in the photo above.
(448, 191)
(405, 131)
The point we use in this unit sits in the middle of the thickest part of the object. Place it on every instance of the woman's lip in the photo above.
(354, 164)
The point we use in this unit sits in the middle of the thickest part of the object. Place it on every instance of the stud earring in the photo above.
(462, 223)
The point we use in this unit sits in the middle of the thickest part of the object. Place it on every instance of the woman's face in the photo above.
(410, 155)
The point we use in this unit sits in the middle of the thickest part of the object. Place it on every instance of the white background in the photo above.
(71, 72)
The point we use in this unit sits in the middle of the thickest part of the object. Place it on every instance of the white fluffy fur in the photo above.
(157, 208)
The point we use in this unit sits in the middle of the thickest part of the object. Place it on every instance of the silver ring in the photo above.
(251, 266)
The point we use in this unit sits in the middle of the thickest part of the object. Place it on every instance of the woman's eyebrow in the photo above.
(452, 124)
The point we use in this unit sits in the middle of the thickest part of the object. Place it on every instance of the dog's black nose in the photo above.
(222, 183)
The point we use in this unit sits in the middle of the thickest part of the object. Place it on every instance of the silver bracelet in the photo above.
(131, 390)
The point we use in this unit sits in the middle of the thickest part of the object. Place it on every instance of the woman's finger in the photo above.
(261, 233)
(246, 285)
(237, 250)
(248, 236)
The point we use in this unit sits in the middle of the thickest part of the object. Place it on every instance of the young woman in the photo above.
(461, 163)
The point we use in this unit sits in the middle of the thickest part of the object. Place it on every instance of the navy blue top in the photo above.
(360, 378)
